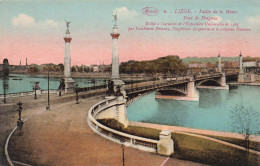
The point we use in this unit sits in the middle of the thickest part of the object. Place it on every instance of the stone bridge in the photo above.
(182, 86)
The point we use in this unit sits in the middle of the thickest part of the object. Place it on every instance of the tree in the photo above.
(246, 121)
(108, 68)
(5, 67)
(33, 69)
(61, 66)
(73, 69)
(50, 67)
(169, 64)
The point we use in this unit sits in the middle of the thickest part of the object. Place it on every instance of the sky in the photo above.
(35, 29)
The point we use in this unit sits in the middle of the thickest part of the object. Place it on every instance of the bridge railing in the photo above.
(158, 85)
(84, 89)
(205, 76)
(27, 93)
(114, 135)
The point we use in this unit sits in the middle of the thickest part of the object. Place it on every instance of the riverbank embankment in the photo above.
(192, 130)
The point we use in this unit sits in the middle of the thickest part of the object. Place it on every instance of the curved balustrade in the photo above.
(114, 135)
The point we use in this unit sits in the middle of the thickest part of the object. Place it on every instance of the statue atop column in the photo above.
(68, 25)
(115, 19)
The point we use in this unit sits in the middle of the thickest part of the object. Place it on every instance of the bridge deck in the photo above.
(153, 85)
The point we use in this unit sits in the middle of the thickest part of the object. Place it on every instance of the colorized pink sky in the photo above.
(35, 29)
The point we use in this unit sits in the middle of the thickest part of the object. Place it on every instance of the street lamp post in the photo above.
(19, 122)
(62, 86)
(77, 96)
(123, 155)
(4, 96)
(94, 82)
(48, 106)
(105, 82)
(35, 95)
(4, 86)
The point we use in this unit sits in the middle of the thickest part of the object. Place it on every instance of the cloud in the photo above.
(23, 20)
(123, 12)
(51, 23)
(254, 20)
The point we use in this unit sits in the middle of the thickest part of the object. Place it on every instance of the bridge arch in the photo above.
(209, 82)
(173, 92)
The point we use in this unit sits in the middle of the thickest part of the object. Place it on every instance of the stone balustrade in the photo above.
(114, 135)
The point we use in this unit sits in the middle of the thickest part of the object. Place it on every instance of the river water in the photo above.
(211, 112)
(16, 83)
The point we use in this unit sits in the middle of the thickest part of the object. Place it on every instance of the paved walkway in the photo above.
(9, 115)
(62, 137)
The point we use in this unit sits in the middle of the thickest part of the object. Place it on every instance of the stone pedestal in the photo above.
(241, 77)
(121, 113)
(38, 92)
(223, 81)
(69, 85)
(191, 91)
(252, 77)
(117, 112)
(165, 145)
(122, 86)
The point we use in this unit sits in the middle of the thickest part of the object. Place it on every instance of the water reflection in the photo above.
(209, 98)
(171, 112)
(212, 112)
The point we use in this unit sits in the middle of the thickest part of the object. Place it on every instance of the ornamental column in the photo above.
(69, 82)
(115, 60)
(241, 72)
(115, 57)
(240, 63)
(219, 63)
